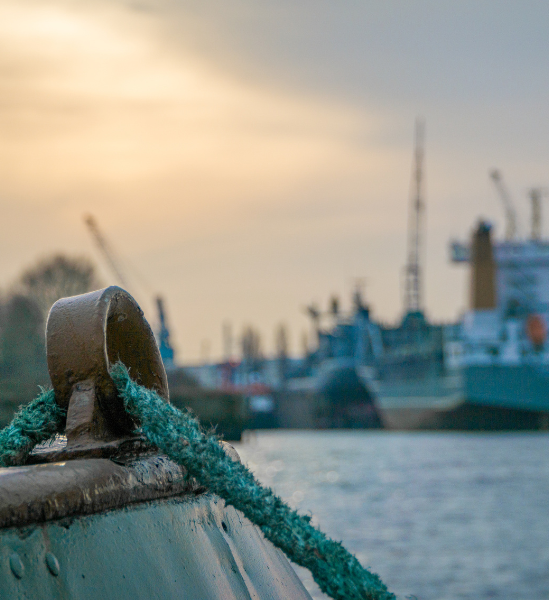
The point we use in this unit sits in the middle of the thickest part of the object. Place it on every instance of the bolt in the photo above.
(53, 564)
(17, 567)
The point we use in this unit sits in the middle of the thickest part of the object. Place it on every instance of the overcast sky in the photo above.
(248, 157)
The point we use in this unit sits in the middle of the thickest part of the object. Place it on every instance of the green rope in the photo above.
(33, 424)
(337, 572)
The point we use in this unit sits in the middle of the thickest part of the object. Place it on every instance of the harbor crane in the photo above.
(510, 213)
(165, 347)
(105, 249)
(413, 288)
(536, 196)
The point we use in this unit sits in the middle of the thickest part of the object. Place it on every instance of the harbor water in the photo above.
(439, 516)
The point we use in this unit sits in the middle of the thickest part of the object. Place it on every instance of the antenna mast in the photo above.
(413, 300)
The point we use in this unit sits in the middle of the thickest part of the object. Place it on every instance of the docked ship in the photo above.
(411, 370)
(490, 370)
(505, 355)
(487, 371)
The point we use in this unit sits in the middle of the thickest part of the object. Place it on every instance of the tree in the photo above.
(57, 277)
(23, 354)
(22, 341)
(22, 325)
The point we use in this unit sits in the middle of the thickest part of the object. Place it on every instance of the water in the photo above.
(440, 516)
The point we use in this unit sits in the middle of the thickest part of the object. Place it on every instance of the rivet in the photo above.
(16, 565)
(53, 564)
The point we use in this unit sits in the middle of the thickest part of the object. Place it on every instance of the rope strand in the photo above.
(33, 424)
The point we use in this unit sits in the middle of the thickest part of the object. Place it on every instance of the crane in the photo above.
(510, 214)
(165, 347)
(412, 299)
(536, 195)
(164, 344)
(105, 249)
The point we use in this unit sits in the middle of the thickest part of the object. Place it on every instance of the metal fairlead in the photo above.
(85, 336)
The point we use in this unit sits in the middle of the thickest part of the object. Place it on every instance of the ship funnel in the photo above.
(483, 269)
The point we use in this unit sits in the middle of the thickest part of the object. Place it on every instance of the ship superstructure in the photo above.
(505, 356)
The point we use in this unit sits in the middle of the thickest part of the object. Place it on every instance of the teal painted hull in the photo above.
(510, 387)
(482, 398)
(195, 548)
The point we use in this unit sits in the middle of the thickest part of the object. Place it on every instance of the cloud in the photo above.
(254, 155)
(102, 113)
(90, 98)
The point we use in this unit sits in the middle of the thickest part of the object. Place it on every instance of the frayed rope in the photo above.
(178, 434)
(337, 572)
(35, 423)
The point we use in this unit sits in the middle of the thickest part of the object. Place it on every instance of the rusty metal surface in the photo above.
(58, 450)
(195, 548)
(42, 492)
(85, 335)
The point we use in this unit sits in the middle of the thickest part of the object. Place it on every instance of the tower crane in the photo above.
(536, 195)
(165, 347)
(510, 214)
(412, 291)
(105, 249)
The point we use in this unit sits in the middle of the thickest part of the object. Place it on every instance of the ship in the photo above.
(489, 370)
(410, 372)
(409, 369)
(505, 355)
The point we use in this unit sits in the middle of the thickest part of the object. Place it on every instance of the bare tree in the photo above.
(22, 324)
(57, 277)
(22, 354)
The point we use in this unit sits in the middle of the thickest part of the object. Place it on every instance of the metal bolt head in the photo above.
(53, 564)
(16, 565)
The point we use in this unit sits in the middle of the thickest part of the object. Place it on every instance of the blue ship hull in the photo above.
(482, 398)
(511, 387)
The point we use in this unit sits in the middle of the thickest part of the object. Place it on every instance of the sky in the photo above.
(244, 159)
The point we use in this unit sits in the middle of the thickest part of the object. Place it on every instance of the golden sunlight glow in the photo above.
(90, 101)
(100, 114)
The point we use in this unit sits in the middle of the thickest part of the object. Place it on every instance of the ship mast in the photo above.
(413, 290)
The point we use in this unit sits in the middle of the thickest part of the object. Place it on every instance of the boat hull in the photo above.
(512, 387)
(483, 398)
